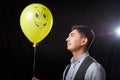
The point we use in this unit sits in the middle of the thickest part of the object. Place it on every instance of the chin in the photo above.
(69, 49)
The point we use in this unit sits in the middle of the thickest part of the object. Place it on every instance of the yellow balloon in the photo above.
(36, 22)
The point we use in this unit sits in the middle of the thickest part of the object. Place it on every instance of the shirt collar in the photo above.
(73, 60)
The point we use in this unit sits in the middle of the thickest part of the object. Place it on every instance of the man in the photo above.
(83, 66)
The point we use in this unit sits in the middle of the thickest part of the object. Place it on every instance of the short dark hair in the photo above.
(87, 32)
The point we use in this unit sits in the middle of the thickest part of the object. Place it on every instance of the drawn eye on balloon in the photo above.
(40, 17)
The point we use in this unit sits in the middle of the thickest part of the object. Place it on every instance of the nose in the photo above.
(67, 38)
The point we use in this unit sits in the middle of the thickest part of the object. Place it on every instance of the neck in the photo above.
(78, 53)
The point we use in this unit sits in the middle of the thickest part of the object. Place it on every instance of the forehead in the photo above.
(75, 31)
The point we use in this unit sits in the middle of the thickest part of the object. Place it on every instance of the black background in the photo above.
(51, 54)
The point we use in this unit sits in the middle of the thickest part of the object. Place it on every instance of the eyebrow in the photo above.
(71, 33)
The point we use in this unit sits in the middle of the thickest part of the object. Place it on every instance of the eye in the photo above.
(37, 15)
(44, 15)
(72, 34)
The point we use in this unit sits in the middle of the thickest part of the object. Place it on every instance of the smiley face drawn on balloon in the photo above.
(40, 17)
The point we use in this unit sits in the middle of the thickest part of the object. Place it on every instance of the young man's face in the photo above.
(74, 41)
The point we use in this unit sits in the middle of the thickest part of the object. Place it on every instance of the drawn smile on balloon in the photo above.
(40, 17)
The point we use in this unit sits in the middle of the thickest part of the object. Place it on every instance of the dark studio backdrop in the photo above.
(51, 54)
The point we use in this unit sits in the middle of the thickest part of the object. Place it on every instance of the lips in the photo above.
(68, 43)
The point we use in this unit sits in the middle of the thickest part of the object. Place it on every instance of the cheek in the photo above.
(76, 43)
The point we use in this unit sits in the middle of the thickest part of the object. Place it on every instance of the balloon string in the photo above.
(34, 61)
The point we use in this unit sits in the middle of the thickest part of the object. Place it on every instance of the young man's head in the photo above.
(79, 37)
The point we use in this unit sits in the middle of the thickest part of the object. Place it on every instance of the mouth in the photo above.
(68, 44)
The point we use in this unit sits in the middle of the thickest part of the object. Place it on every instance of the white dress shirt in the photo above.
(94, 72)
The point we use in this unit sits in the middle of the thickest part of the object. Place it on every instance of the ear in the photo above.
(84, 41)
